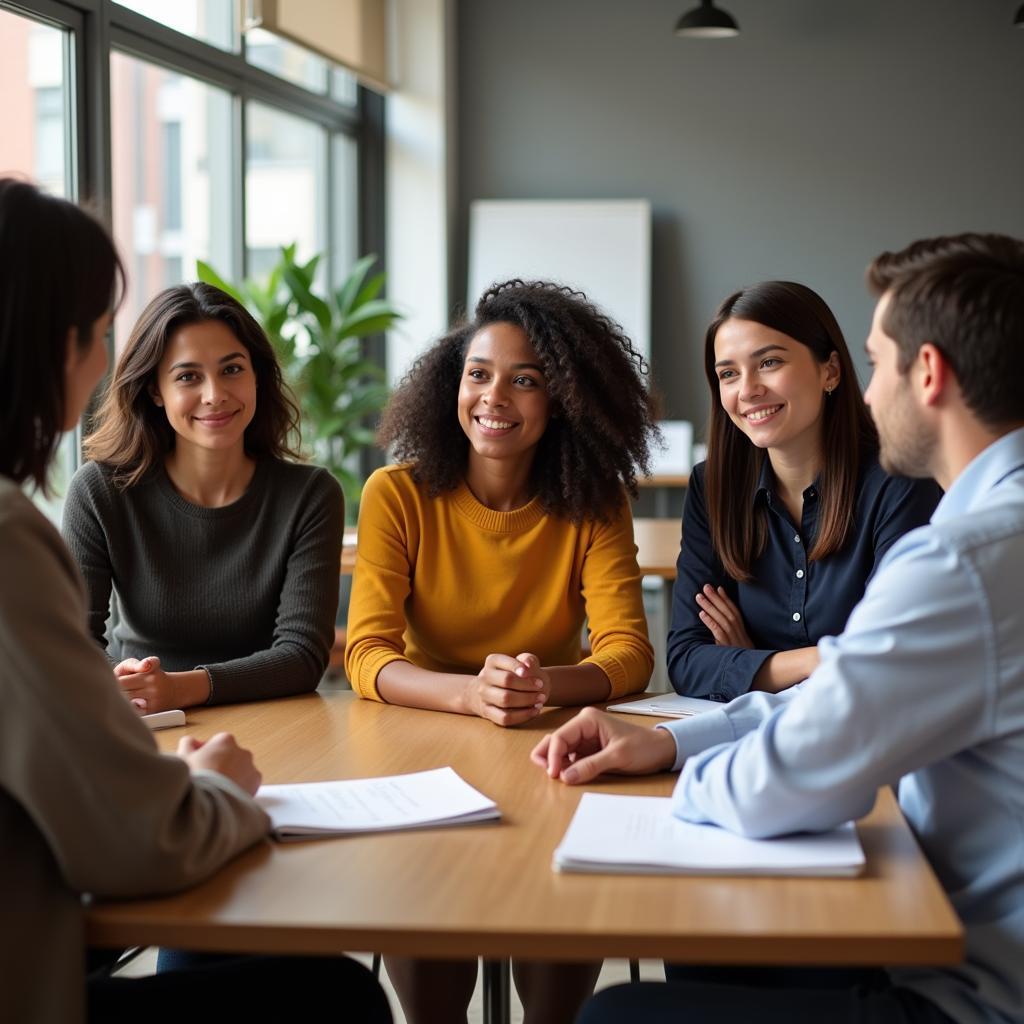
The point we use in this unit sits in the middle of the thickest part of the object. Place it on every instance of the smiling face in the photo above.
(206, 385)
(503, 402)
(771, 386)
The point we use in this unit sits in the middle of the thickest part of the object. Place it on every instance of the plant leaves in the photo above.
(207, 274)
(345, 296)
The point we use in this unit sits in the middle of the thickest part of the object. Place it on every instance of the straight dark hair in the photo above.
(738, 529)
(59, 273)
(132, 434)
(965, 295)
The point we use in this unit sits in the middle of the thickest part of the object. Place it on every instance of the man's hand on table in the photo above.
(595, 742)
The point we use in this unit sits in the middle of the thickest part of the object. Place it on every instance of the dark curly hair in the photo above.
(600, 434)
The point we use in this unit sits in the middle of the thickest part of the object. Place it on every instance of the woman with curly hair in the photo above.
(505, 526)
(222, 550)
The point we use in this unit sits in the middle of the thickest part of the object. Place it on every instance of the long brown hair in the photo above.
(738, 530)
(132, 434)
(59, 273)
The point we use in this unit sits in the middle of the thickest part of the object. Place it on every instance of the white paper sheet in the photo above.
(639, 835)
(435, 797)
(668, 705)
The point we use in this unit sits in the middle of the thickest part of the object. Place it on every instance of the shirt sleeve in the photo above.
(613, 598)
(121, 819)
(380, 587)
(869, 714)
(82, 527)
(304, 626)
(697, 666)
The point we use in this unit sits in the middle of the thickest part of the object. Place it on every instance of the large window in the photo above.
(171, 169)
(196, 140)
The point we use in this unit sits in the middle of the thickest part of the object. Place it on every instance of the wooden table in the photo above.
(488, 889)
(657, 542)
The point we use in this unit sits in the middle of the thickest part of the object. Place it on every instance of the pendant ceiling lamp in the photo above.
(707, 22)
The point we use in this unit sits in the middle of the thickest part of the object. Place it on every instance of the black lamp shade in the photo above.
(707, 22)
(1019, 20)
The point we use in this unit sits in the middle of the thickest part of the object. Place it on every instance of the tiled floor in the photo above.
(613, 972)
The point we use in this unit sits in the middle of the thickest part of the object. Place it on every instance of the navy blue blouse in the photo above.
(790, 602)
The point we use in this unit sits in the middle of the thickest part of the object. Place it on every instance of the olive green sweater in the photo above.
(248, 591)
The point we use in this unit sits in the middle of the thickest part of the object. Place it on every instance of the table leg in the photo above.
(497, 992)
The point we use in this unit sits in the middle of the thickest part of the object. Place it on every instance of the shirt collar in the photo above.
(765, 481)
(766, 484)
(987, 469)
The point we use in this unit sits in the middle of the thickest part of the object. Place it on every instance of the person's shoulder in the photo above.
(15, 508)
(300, 476)
(397, 479)
(93, 478)
(24, 530)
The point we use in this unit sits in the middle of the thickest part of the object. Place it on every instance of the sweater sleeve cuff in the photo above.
(364, 679)
(621, 683)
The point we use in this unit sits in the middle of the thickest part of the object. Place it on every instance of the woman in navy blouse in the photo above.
(790, 515)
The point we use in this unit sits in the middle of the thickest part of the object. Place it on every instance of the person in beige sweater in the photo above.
(87, 803)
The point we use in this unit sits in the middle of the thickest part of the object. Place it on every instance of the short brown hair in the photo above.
(132, 434)
(965, 295)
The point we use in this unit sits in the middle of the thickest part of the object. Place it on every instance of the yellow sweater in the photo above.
(443, 582)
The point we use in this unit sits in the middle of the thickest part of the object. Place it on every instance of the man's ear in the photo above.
(933, 373)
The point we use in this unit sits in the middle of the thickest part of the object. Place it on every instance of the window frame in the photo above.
(97, 28)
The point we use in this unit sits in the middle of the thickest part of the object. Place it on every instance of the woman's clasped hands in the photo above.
(151, 689)
(507, 690)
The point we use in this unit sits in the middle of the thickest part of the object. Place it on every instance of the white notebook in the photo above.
(638, 835)
(310, 810)
(668, 705)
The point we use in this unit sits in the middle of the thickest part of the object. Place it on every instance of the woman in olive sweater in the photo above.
(223, 553)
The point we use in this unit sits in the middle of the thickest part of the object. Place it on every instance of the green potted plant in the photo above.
(318, 339)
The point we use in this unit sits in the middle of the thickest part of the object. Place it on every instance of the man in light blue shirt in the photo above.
(926, 684)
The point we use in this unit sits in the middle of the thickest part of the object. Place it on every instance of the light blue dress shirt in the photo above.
(926, 685)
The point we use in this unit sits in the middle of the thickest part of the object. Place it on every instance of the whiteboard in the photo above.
(602, 248)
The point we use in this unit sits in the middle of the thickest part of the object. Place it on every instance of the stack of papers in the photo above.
(668, 705)
(311, 810)
(638, 835)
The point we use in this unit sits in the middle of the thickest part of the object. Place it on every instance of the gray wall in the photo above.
(828, 131)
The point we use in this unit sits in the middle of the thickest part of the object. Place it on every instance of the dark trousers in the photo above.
(249, 988)
(738, 995)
